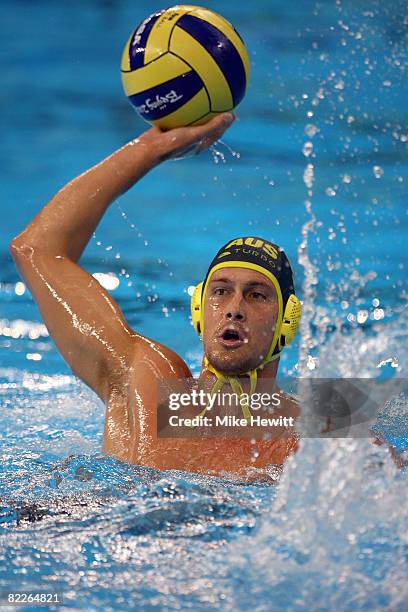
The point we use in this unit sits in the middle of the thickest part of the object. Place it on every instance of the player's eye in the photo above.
(219, 291)
(256, 295)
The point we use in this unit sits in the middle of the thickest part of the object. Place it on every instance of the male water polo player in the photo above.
(245, 310)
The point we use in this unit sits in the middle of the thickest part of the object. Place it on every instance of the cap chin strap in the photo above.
(236, 386)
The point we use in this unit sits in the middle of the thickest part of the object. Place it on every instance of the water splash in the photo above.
(335, 534)
(310, 270)
(219, 155)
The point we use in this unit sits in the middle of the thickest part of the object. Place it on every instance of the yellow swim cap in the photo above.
(269, 259)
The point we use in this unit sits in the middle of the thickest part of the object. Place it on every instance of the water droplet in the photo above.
(311, 130)
(346, 178)
(378, 314)
(312, 362)
(254, 454)
(308, 176)
(378, 171)
(330, 192)
(362, 316)
(307, 149)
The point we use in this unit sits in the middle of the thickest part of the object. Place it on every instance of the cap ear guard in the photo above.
(290, 321)
(195, 306)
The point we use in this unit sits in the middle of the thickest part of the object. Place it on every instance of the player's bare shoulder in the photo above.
(157, 360)
(133, 397)
(150, 364)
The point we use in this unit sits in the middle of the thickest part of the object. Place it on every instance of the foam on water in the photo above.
(336, 535)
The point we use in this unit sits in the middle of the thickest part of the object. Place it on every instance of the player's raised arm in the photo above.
(85, 322)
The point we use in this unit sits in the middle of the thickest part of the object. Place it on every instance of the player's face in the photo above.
(240, 312)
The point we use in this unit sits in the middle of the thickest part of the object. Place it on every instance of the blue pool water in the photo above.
(317, 162)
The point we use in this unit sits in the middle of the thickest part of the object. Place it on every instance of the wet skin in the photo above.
(122, 366)
(238, 298)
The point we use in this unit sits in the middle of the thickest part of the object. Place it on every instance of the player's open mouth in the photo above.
(231, 337)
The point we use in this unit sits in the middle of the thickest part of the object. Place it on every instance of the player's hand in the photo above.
(180, 142)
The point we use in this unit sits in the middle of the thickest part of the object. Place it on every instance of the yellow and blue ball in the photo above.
(184, 65)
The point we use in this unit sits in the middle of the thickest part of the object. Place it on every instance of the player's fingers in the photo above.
(214, 131)
(177, 141)
(215, 128)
